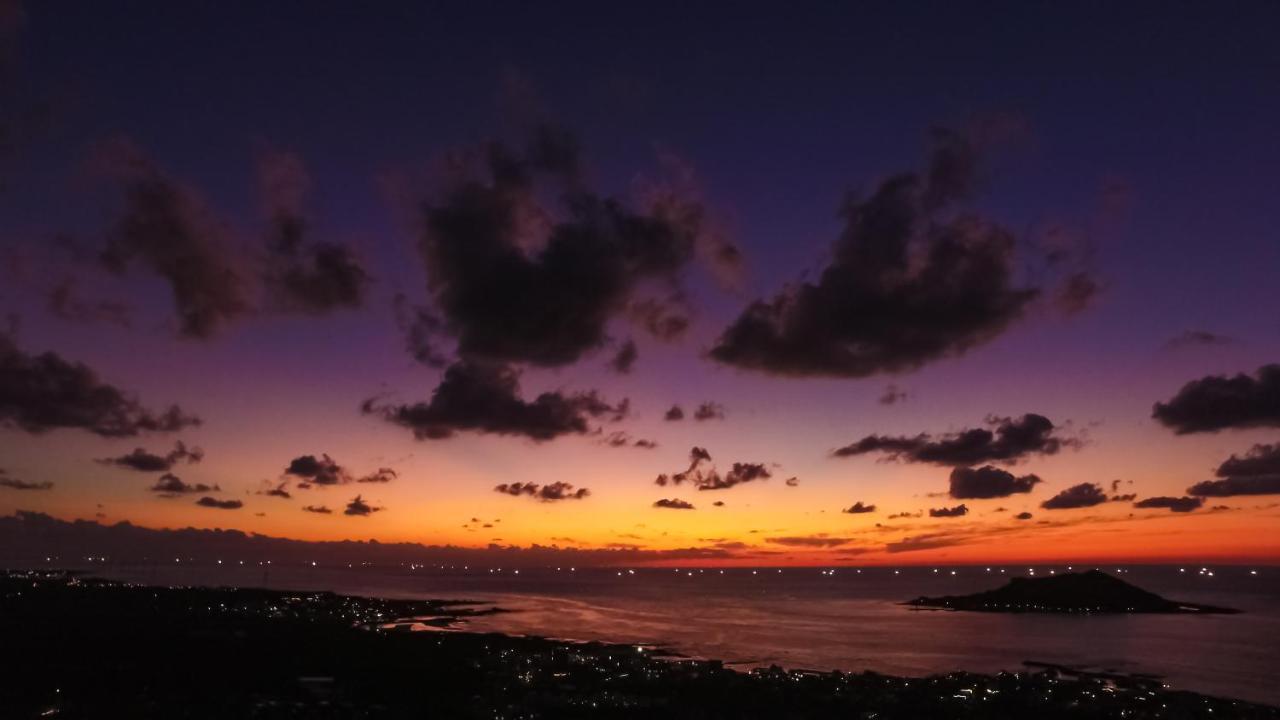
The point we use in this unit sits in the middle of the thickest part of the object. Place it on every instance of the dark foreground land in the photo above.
(81, 648)
(1086, 592)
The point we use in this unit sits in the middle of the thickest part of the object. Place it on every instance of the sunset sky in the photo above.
(457, 256)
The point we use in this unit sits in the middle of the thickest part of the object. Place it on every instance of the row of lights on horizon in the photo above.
(1204, 571)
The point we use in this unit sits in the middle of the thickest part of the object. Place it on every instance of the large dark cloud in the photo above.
(219, 504)
(551, 492)
(321, 470)
(308, 276)
(859, 508)
(675, 413)
(142, 460)
(516, 280)
(1009, 440)
(359, 508)
(1260, 460)
(167, 228)
(39, 393)
(949, 512)
(485, 398)
(988, 482)
(1174, 504)
(1219, 402)
(912, 279)
(673, 504)
(170, 485)
(7, 481)
(1077, 496)
(1246, 485)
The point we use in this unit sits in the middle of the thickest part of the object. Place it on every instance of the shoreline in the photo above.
(272, 650)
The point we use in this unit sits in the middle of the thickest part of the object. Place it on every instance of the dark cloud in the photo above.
(360, 508)
(219, 504)
(988, 482)
(1076, 496)
(381, 475)
(302, 275)
(905, 514)
(712, 479)
(1219, 402)
(673, 504)
(318, 471)
(65, 303)
(792, 481)
(420, 327)
(810, 541)
(1009, 441)
(709, 411)
(1175, 504)
(620, 439)
(167, 228)
(1022, 516)
(551, 492)
(675, 413)
(1260, 460)
(280, 491)
(892, 395)
(6, 481)
(143, 461)
(912, 280)
(948, 512)
(1077, 293)
(170, 485)
(858, 508)
(1228, 487)
(518, 281)
(27, 538)
(739, 473)
(718, 503)
(665, 320)
(1194, 338)
(485, 398)
(39, 393)
(625, 359)
(318, 509)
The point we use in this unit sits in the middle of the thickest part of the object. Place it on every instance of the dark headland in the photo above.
(1086, 592)
(75, 647)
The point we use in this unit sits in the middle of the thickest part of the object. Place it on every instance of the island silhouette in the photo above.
(1093, 591)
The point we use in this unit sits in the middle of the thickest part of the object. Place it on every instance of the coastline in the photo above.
(270, 653)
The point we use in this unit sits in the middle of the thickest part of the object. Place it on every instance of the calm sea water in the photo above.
(850, 620)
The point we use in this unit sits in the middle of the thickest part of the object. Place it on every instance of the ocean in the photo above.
(847, 619)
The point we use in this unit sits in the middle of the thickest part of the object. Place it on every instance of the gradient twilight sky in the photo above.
(1138, 142)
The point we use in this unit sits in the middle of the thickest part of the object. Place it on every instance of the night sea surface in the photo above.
(849, 620)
